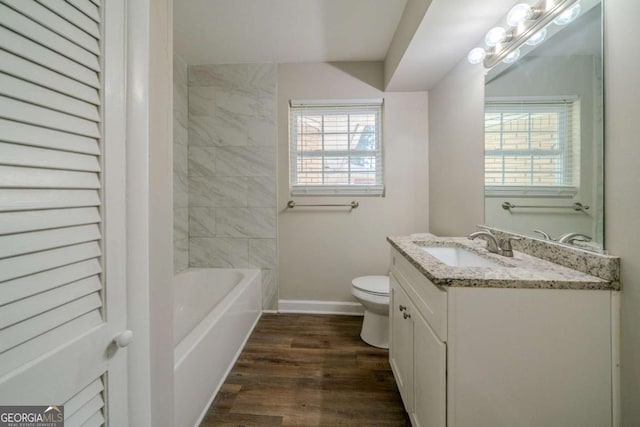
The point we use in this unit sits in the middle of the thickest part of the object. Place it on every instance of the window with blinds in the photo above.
(532, 147)
(336, 147)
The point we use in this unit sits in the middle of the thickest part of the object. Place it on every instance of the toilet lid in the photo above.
(377, 285)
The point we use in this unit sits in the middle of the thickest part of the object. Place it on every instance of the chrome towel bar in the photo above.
(353, 205)
(577, 206)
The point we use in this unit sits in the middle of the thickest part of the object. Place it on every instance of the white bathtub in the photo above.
(215, 311)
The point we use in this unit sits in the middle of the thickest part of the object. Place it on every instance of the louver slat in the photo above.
(15, 21)
(21, 133)
(95, 421)
(20, 222)
(16, 66)
(24, 309)
(24, 265)
(23, 287)
(38, 54)
(87, 7)
(15, 358)
(74, 404)
(18, 200)
(47, 321)
(23, 243)
(37, 95)
(28, 113)
(16, 177)
(19, 155)
(55, 23)
(92, 407)
(72, 15)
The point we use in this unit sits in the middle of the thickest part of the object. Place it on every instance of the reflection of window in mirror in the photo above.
(532, 146)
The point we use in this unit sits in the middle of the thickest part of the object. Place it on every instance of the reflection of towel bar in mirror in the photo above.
(353, 205)
(577, 206)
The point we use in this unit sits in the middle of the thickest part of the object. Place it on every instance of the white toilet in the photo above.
(373, 293)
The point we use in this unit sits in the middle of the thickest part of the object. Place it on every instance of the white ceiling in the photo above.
(241, 31)
(245, 31)
(448, 31)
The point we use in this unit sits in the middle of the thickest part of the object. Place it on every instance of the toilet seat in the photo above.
(374, 285)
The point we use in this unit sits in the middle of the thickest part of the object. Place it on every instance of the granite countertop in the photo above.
(521, 271)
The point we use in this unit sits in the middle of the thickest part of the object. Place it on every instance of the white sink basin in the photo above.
(459, 257)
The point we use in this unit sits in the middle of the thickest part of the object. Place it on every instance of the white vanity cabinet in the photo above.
(417, 354)
(401, 342)
(492, 357)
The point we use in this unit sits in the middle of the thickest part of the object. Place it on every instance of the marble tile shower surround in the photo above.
(605, 267)
(232, 169)
(180, 166)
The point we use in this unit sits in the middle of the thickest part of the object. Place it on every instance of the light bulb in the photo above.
(495, 35)
(537, 38)
(512, 57)
(519, 14)
(476, 56)
(568, 15)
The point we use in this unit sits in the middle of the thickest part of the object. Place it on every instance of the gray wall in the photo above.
(456, 151)
(232, 168)
(321, 250)
(180, 180)
(459, 144)
(622, 178)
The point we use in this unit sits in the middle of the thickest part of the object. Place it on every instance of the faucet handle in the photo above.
(505, 246)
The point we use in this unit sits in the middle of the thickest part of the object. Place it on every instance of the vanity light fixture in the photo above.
(526, 24)
(568, 15)
(519, 13)
(512, 57)
(537, 38)
(495, 36)
(477, 55)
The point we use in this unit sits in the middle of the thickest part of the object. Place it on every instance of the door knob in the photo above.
(406, 315)
(124, 338)
(402, 307)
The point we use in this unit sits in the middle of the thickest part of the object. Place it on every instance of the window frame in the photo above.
(570, 135)
(298, 108)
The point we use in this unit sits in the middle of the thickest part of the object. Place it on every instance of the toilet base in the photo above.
(375, 329)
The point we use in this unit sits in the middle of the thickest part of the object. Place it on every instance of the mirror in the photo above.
(544, 135)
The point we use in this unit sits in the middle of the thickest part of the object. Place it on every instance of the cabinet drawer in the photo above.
(430, 300)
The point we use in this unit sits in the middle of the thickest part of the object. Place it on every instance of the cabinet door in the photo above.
(429, 376)
(401, 346)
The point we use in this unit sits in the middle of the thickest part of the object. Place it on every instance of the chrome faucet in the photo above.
(574, 237)
(494, 244)
(544, 234)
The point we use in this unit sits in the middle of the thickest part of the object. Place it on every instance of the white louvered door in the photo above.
(62, 207)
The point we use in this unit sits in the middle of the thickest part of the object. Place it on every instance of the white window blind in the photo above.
(336, 148)
(532, 147)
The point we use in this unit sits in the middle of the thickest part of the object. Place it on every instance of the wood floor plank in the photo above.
(308, 370)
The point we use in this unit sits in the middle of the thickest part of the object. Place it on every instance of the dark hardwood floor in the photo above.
(308, 370)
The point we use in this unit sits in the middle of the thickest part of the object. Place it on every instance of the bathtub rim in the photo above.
(182, 349)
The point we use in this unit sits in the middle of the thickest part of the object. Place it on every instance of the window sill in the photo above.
(525, 191)
(338, 190)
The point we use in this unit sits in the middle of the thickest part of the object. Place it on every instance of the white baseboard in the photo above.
(320, 307)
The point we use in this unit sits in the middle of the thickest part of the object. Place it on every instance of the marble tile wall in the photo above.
(232, 169)
(180, 166)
